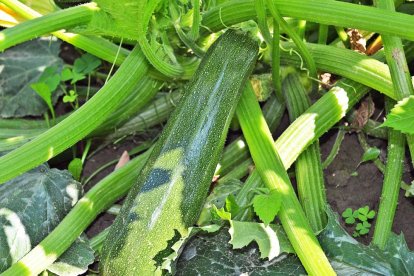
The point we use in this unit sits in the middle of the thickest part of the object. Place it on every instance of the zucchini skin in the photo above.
(171, 189)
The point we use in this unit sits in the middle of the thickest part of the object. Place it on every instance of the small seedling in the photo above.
(363, 214)
(46, 85)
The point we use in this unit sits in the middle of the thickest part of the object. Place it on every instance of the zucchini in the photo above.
(171, 189)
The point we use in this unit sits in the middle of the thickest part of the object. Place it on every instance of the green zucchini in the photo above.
(171, 189)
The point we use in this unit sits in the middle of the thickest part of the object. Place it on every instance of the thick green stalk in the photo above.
(97, 200)
(391, 186)
(346, 63)
(308, 166)
(302, 28)
(84, 120)
(276, 78)
(260, 7)
(400, 74)
(336, 13)
(296, 39)
(323, 34)
(273, 174)
(155, 113)
(97, 46)
(27, 30)
(236, 152)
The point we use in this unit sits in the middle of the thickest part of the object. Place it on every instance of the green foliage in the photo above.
(213, 255)
(267, 205)
(46, 85)
(31, 205)
(362, 214)
(370, 154)
(401, 116)
(21, 77)
(75, 168)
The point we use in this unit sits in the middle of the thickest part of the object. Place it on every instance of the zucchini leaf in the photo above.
(31, 206)
(75, 260)
(348, 254)
(21, 66)
(398, 254)
(213, 255)
(401, 116)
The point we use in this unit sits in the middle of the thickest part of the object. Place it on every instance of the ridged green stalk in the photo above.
(296, 39)
(400, 74)
(97, 46)
(55, 21)
(273, 174)
(336, 13)
(94, 202)
(308, 166)
(84, 120)
(391, 186)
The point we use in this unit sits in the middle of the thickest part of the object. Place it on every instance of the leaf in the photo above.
(71, 97)
(169, 262)
(398, 254)
(347, 213)
(31, 205)
(43, 90)
(75, 260)
(231, 205)
(86, 64)
(212, 255)
(21, 66)
(267, 206)
(243, 233)
(401, 116)
(340, 247)
(218, 197)
(371, 154)
(350, 220)
(223, 214)
(75, 168)
(371, 214)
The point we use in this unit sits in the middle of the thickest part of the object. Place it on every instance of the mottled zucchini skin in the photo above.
(173, 185)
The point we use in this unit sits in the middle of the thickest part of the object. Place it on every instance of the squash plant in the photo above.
(190, 46)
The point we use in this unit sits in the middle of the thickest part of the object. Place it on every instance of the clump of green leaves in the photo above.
(359, 217)
(51, 78)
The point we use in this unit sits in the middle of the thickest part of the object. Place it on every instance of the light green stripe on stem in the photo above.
(273, 174)
(97, 200)
(308, 166)
(46, 24)
(84, 120)
(391, 186)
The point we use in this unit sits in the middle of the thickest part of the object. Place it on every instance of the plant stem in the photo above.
(84, 120)
(273, 174)
(323, 34)
(309, 173)
(98, 199)
(296, 39)
(335, 149)
(336, 13)
(276, 78)
(391, 186)
(97, 46)
(400, 74)
(46, 24)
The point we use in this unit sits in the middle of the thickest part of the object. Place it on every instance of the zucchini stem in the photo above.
(273, 174)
